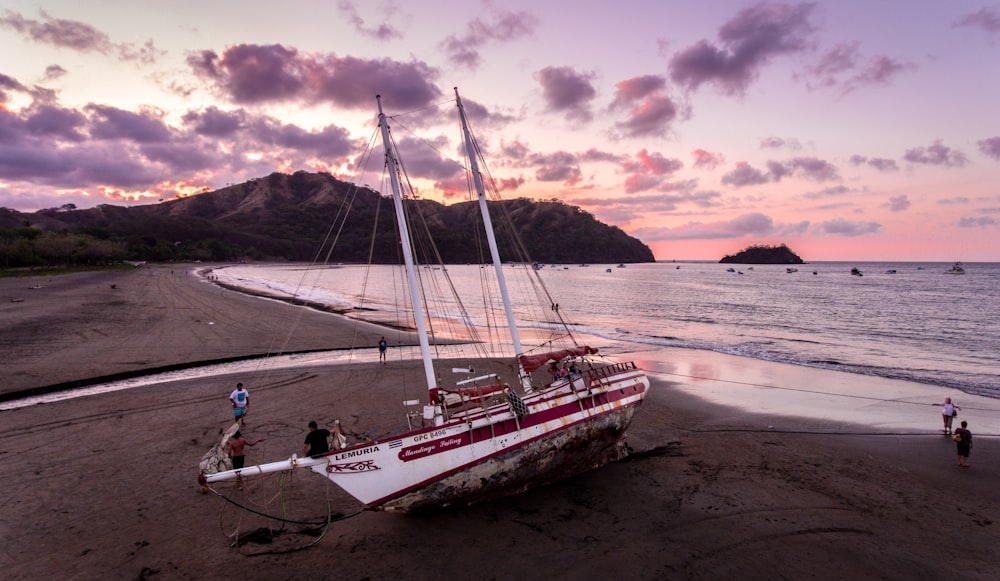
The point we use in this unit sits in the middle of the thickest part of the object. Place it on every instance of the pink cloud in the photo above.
(567, 91)
(706, 159)
(746, 44)
(653, 163)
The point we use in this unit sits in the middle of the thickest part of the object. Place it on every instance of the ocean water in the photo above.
(916, 323)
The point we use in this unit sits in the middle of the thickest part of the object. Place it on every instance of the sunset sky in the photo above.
(848, 129)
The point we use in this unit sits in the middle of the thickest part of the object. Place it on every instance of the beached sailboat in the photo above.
(482, 438)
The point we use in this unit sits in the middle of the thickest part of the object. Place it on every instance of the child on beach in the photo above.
(964, 439)
(948, 413)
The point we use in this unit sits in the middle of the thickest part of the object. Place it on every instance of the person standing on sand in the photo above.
(236, 446)
(382, 346)
(948, 413)
(240, 398)
(316, 441)
(964, 439)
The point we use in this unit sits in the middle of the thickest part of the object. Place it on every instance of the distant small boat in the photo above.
(607, 270)
(856, 272)
(730, 269)
(791, 270)
(957, 268)
(891, 271)
(814, 272)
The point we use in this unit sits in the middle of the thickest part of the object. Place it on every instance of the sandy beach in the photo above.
(739, 468)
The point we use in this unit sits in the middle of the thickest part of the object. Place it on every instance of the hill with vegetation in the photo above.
(286, 217)
(763, 255)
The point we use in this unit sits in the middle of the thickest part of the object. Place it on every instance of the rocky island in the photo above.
(763, 255)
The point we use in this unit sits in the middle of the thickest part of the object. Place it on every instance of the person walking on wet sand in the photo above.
(948, 413)
(382, 346)
(240, 398)
(963, 437)
(236, 447)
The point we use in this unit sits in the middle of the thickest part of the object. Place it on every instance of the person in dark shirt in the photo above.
(963, 436)
(382, 346)
(317, 441)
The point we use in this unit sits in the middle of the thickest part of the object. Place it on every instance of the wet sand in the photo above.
(740, 468)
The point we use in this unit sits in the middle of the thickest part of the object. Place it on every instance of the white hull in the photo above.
(486, 453)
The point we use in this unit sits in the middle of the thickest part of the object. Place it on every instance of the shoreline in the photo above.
(711, 490)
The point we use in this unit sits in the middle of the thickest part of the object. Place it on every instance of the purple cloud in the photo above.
(827, 193)
(113, 123)
(987, 19)
(706, 159)
(78, 36)
(779, 143)
(746, 44)
(672, 197)
(879, 163)
(990, 147)
(898, 203)
(251, 74)
(383, 31)
(753, 224)
(976, 222)
(813, 168)
(560, 166)
(843, 66)
(329, 142)
(936, 154)
(744, 175)
(214, 122)
(505, 27)
(650, 110)
(129, 156)
(48, 120)
(842, 227)
(567, 91)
